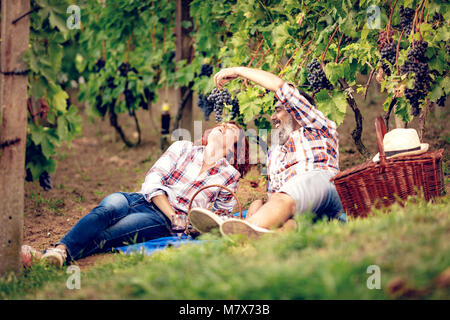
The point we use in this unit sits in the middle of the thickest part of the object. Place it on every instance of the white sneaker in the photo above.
(238, 226)
(55, 257)
(204, 220)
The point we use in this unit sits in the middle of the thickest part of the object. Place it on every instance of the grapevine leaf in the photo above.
(402, 110)
(248, 103)
(334, 107)
(334, 71)
(60, 100)
(280, 34)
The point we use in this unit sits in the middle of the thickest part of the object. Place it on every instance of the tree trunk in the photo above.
(13, 102)
(423, 118)
(184, 51)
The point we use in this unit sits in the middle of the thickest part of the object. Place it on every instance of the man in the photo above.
(299, 167)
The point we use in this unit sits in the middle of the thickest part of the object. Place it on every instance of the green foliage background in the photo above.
(278, 36)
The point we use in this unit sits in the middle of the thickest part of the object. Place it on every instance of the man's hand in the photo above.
(263, 78)
(224, 76)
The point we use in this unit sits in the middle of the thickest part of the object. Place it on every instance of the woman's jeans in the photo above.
(120, 219)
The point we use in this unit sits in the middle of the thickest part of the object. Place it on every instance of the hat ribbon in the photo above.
(393, 153)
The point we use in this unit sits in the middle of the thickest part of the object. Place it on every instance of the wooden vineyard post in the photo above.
(13, 111)
(183, 51)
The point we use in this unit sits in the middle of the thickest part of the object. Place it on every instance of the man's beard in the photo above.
(285, 130)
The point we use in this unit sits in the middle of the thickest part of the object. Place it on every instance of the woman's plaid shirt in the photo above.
(313, 146)
(176, 174)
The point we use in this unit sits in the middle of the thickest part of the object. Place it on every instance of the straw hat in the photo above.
(402, 142)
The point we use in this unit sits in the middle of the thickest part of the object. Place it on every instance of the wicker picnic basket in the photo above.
(188, 228)
(389, 180)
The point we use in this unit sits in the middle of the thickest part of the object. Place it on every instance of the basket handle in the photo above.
(210, 186)
(380, 128)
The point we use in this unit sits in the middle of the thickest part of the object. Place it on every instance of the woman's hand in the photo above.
(224, 76)
(163, 204)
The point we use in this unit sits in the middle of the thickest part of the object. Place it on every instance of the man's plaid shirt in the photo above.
(176, 174)
(313, 146)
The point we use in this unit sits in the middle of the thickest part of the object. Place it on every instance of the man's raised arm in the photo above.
(263, 78)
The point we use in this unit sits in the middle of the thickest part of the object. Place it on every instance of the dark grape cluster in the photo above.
(130, 99)
(219, 98)
(347, 40)
(317, 78)
(384, 38)
(101, 108)
(29, 175)
(406, 19)
(417, 63)
(99, 65)
(206, 106)
(441, 101)
(388, 53)
(171, 55)
(206, 70)
(417, 52)
(45, 181)
(123, 69)
(110, 82)
(149, 97)
(235, 111)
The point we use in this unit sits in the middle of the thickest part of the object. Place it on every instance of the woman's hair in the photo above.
(240, 157)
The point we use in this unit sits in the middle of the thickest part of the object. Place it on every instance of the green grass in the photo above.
(54, 205)
(325, 260)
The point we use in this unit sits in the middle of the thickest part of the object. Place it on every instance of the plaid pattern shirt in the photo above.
(176, 174)
(313, 146)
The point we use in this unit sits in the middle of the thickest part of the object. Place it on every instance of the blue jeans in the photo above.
(121, 218)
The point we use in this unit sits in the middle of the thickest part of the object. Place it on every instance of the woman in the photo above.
(169, 185)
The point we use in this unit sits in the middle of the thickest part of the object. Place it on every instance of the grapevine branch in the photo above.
(329, 42)
(372, 72)
(256, 52)
(253, 58)
(421, 12)
(416, 24)
(398, 49)
(339, 47)
(293, 55)
(388, 113)
(35, 9)
(114, 122)
(278, 63)
(302, 63)
(290, 59)
(30, 110)
(390, 16)
(262, 58)
(357, 132)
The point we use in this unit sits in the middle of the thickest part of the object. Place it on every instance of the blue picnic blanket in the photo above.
(154, 245)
